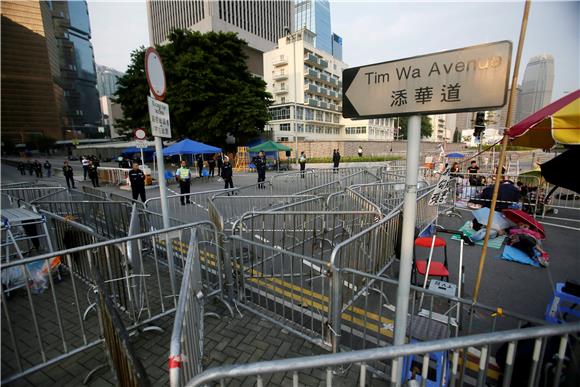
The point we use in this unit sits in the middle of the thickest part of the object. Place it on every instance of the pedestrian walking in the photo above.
(260, 163)
(137, 180)
(30, 167)
(200, 165)
(211, 166)
(335, 160)
(360, 151)
(38, 168)
(85, 163)
(48, 168)
(93, 173)
(22, 168)
(67, 171)
(183, 176)
(302, 161)
(227, 173)
(220, 163)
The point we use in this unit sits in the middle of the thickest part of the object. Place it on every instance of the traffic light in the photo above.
(479, 126)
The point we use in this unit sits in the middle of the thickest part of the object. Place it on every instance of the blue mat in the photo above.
(467, 229)
(512, 254)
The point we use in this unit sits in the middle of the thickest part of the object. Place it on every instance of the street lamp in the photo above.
(293, 37)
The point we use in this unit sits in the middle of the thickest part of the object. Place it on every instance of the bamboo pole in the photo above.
(504, 144)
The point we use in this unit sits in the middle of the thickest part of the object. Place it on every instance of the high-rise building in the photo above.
(82, 113)
(537, 85)
(107, 81)
(259, 23)
(336, 46)
(31, 97)
(307, 89)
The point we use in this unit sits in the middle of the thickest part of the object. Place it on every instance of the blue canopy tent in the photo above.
(189, 147)
(147, 152)
(455, 155)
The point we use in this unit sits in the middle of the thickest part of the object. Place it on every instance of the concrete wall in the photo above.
(350, 148)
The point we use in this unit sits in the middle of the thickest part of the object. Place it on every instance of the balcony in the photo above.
(323, 63)
(311, 74)
(324, 78)
(280, 90)
(312, 102)
(332, 94)
(279, 76)
(323, 105)
(339, 108)
(334, 81)
(311, 59)
(332, 106)
(311, 88)
(281, 61)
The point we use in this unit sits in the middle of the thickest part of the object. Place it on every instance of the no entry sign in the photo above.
(467, 79)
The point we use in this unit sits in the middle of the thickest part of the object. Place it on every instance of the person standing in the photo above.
(360, 151)
(220, 163)
(67, 171)
(38, 168)
(472, 170)
(227, 173)
(199, 161)
(211, 166)
(302, 161)
(30, 167)
(260, 163)
(93, 173)
(22, 168)
(137, 179)
(183, 176)
(85, 163)
(336, 160)
(48, 168)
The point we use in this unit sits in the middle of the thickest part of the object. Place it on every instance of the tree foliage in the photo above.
(426, 127)
(210, 91)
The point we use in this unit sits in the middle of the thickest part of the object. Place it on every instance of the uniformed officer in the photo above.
(183, 176)
(93, 173)
(137, 179)
(67, 171)
(260, 163)
(227, 173)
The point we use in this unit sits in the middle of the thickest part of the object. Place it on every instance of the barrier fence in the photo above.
(42, 329)
(560, 205)
(29, 194)
(423, 352)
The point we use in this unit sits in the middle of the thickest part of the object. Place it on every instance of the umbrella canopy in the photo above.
(531, 177)
(189, 147)
(499, 222)
(456, 155)
(558, 122)
(557, 171)
(270, 146)
(517, 216)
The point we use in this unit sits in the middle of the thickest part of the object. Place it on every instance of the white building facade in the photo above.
(307, 89)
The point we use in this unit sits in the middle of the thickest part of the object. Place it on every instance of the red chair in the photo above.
(437, 269)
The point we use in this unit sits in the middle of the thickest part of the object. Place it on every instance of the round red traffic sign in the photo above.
(139, 134)
(155, 74)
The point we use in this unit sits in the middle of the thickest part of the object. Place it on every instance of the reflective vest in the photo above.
(183, 173)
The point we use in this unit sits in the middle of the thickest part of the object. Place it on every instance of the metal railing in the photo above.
(195, 210)
(29, 194)
(260, 372)
(186, 351)
(558, 206)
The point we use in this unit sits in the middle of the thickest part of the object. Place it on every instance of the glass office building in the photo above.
(314, 15)
(336, 46)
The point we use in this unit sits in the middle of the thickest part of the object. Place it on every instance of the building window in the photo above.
(283, 99)
(319, 116)
(284, 127)
(299, 112)
(352, 130)
(281, 113)
(283, 139)
(300, 128)
(309, 114)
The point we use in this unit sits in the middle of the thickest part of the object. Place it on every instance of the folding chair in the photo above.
(436, 269)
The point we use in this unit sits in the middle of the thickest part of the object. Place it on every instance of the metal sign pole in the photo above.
(408, 236)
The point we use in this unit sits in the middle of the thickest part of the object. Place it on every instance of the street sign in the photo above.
(155, 74)
(441, 191)
(467, 79)
(159, 117)
(140, 136)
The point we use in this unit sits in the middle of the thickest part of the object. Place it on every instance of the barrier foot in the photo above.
(153, 328)
(212, 314)
(92, 372)
(89, 308)
(228, 306)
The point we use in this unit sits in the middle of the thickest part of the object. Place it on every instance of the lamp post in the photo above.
(293, 37)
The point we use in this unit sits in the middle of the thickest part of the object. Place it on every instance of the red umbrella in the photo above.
(519, 216)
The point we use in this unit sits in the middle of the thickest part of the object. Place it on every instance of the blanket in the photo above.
(468, 230)
(512, 254)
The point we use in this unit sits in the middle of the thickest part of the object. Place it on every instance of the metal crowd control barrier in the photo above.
(195, 211)
(39, 330)
(30, 194)
(292, 182)
(113, 176)
(186, 351)
(262, 372)
(121, 355)
(560, 205)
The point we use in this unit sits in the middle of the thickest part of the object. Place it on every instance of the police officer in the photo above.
(22, 168)
(227, 173)
(93, 173)
(183, 176)
(67, 171)
(48, 168)
(199, 161)
(220, 163)
(137, 179)
(211, 166)
(260, 163)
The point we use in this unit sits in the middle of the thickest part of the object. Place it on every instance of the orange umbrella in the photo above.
(558, 122)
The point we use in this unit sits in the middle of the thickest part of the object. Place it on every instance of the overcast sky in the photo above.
(377, 31)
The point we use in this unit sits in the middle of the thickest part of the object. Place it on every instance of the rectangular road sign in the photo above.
(141, 143)
(467, 79)
(159, 117)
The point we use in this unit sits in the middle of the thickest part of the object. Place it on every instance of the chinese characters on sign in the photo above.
(442, 189)
(159, 117)
(467, 79)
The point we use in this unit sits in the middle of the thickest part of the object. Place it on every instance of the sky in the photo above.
(378, 31)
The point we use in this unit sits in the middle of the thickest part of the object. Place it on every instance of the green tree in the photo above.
(457, 135)
(426, 127)
(42, 143)
(210, 91)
